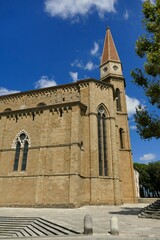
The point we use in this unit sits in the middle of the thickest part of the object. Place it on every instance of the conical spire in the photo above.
(110, 61)
(109, 50)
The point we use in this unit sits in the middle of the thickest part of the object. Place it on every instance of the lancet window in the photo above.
(21, 153)
(118, 100)
(121, 138)
(102, 142)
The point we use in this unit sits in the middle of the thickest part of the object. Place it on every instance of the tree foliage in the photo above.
(154, 172)
(148, 47)
(149, 175)
(144, 177)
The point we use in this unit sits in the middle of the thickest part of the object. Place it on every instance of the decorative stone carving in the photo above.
(22, 141)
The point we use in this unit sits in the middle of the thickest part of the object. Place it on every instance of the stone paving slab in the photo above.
(131, 227)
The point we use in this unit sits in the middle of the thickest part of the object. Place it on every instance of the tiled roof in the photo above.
(109, 49)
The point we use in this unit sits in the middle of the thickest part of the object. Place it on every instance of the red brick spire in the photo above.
(109, 49)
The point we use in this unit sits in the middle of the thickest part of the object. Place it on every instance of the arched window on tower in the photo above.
(102, 142)
(121, 138)
(118, 100)
(22, 143)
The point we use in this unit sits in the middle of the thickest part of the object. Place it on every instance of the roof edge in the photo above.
(76, 84)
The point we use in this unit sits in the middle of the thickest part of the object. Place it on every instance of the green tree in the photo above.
(149, 176)
(154, 172)
(144, 177)
(148, 47)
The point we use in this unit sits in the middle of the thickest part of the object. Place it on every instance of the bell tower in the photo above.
(111, 72)
(110, 61)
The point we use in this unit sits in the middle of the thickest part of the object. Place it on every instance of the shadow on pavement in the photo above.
(128, 211)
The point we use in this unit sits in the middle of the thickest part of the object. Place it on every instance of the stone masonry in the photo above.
(68, 145)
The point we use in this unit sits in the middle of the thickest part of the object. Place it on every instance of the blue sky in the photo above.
(53, 42)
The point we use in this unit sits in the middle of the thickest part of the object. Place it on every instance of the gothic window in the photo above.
(118, 100)
(24, 158)
(22, 144)
(121, 138)
(16, 159)
(102, 142)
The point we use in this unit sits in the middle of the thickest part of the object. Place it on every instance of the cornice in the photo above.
(113, 61)
(114, 77)
(50, 90)
(39, 109)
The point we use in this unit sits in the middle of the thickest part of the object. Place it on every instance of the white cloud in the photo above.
(77, 63)
(45, 82)
(90, 66)
(126, 15)
(95, 49)
(132, 103)
(148, 157)
(152, 1)
(5, 91)
(71, 8)
(74, 76)
(75, 20)
(133, 127)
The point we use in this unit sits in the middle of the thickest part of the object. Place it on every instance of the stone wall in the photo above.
(62, 164)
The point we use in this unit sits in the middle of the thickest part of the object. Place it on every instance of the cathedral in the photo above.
(68, 145)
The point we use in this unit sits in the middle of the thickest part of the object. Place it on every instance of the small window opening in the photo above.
(118, 100)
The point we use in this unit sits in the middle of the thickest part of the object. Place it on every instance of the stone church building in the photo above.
(68, 145)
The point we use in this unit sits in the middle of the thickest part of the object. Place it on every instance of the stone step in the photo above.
(58, 227)
(32, 227)
(151, 211)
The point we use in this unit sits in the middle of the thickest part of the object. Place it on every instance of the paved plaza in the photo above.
(71, 220)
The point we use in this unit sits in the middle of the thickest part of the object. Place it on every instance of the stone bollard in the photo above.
(114, 228)
(88, 230)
